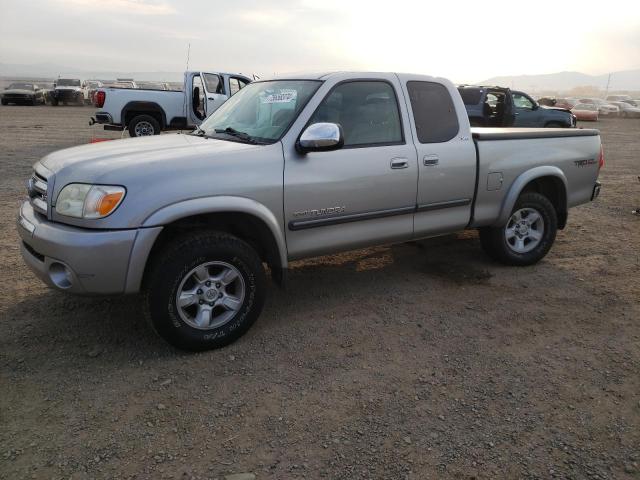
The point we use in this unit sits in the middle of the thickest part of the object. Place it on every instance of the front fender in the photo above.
(518, 185)
(222, 203)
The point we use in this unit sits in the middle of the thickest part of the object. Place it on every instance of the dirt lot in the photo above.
(416, 361)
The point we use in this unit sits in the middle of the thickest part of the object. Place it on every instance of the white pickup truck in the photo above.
(147, 112)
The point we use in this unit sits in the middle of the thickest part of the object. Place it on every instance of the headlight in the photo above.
(89, 201)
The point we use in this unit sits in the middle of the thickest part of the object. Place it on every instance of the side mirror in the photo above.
(535, 106)
(320, 137)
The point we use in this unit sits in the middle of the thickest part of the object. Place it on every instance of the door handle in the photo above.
(210, 98)
(430, 160)
(399, 163)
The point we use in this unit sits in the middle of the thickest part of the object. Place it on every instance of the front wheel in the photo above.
(205, 291)
(143, 125)
(528, 234)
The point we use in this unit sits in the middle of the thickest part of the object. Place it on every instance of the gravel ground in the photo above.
(421, 360)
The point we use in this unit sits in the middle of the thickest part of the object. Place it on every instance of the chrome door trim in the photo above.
(326, 221)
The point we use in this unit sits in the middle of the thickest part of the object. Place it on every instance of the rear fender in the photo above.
(520, 183)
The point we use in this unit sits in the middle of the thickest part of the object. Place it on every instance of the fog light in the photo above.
(60, 275)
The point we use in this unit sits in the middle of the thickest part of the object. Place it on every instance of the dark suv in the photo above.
(503, 107)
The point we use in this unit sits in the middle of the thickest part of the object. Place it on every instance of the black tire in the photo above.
(147, 120)
(54, 102)
(494, 240)
(5, 102)
(174, 264)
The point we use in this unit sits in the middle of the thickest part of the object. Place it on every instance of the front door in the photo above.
(216, 93)
(365, 192)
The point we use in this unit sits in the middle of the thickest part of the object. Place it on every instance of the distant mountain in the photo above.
(52, 71)
(562, 81)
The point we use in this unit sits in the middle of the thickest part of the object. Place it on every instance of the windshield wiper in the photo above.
(238, 134)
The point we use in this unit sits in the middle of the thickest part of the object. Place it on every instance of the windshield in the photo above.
(21, 86)
(67, 82)
(261, 110)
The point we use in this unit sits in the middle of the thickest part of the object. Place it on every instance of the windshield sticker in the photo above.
(285, 96)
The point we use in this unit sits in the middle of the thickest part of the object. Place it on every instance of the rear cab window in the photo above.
(434, 113)
(470, 96)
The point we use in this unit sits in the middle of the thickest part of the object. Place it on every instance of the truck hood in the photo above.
(93, 161)
(560, 109)
(76, 89)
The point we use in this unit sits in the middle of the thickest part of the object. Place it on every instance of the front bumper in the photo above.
(74, 259)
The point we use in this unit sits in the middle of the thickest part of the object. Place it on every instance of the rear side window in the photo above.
(433, 111)
(470, 96)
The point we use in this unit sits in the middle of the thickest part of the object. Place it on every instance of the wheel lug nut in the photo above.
(220, 295)
(211, 304)
(199, 292)
(217, 284)
(200, 302)
(207, 283)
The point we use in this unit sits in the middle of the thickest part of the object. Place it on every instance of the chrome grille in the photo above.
(37, 189)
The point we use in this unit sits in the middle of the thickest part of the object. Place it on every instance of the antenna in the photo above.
(188, 54)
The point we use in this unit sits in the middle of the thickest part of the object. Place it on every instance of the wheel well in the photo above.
(133, 109)
(553, 188)
(245, 226)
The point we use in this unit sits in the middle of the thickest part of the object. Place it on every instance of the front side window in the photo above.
(261, 111)
(367, 111)
(433, 112)
(521, 101)
(212, 82)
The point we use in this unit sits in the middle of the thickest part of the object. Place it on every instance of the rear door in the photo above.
(363, 193)
(446, 155)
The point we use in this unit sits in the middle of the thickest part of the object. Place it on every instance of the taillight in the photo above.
(601, 158)
(100, 97)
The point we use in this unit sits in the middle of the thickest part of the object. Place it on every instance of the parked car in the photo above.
(68, 90)
(566, 103)
(618, 98)
(626, 110)
(91, 87)
(23, 93)
(502, 107)
(148, 112)
(289, 169)
(586, 112)
(604, 108)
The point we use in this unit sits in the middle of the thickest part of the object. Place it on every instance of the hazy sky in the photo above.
(466, 41)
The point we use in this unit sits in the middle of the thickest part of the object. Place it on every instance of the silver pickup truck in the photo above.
(288, 169)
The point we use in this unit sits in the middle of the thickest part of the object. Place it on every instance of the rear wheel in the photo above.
(144, 125)
(528, 234)
(205, 291)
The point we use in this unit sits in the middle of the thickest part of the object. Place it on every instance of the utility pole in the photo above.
(607, 90)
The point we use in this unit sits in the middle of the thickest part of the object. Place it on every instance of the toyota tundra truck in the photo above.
(287, 169)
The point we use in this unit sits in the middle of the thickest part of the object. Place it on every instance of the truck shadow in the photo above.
(86, 325)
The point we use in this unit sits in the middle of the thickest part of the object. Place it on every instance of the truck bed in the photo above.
(480, 133)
